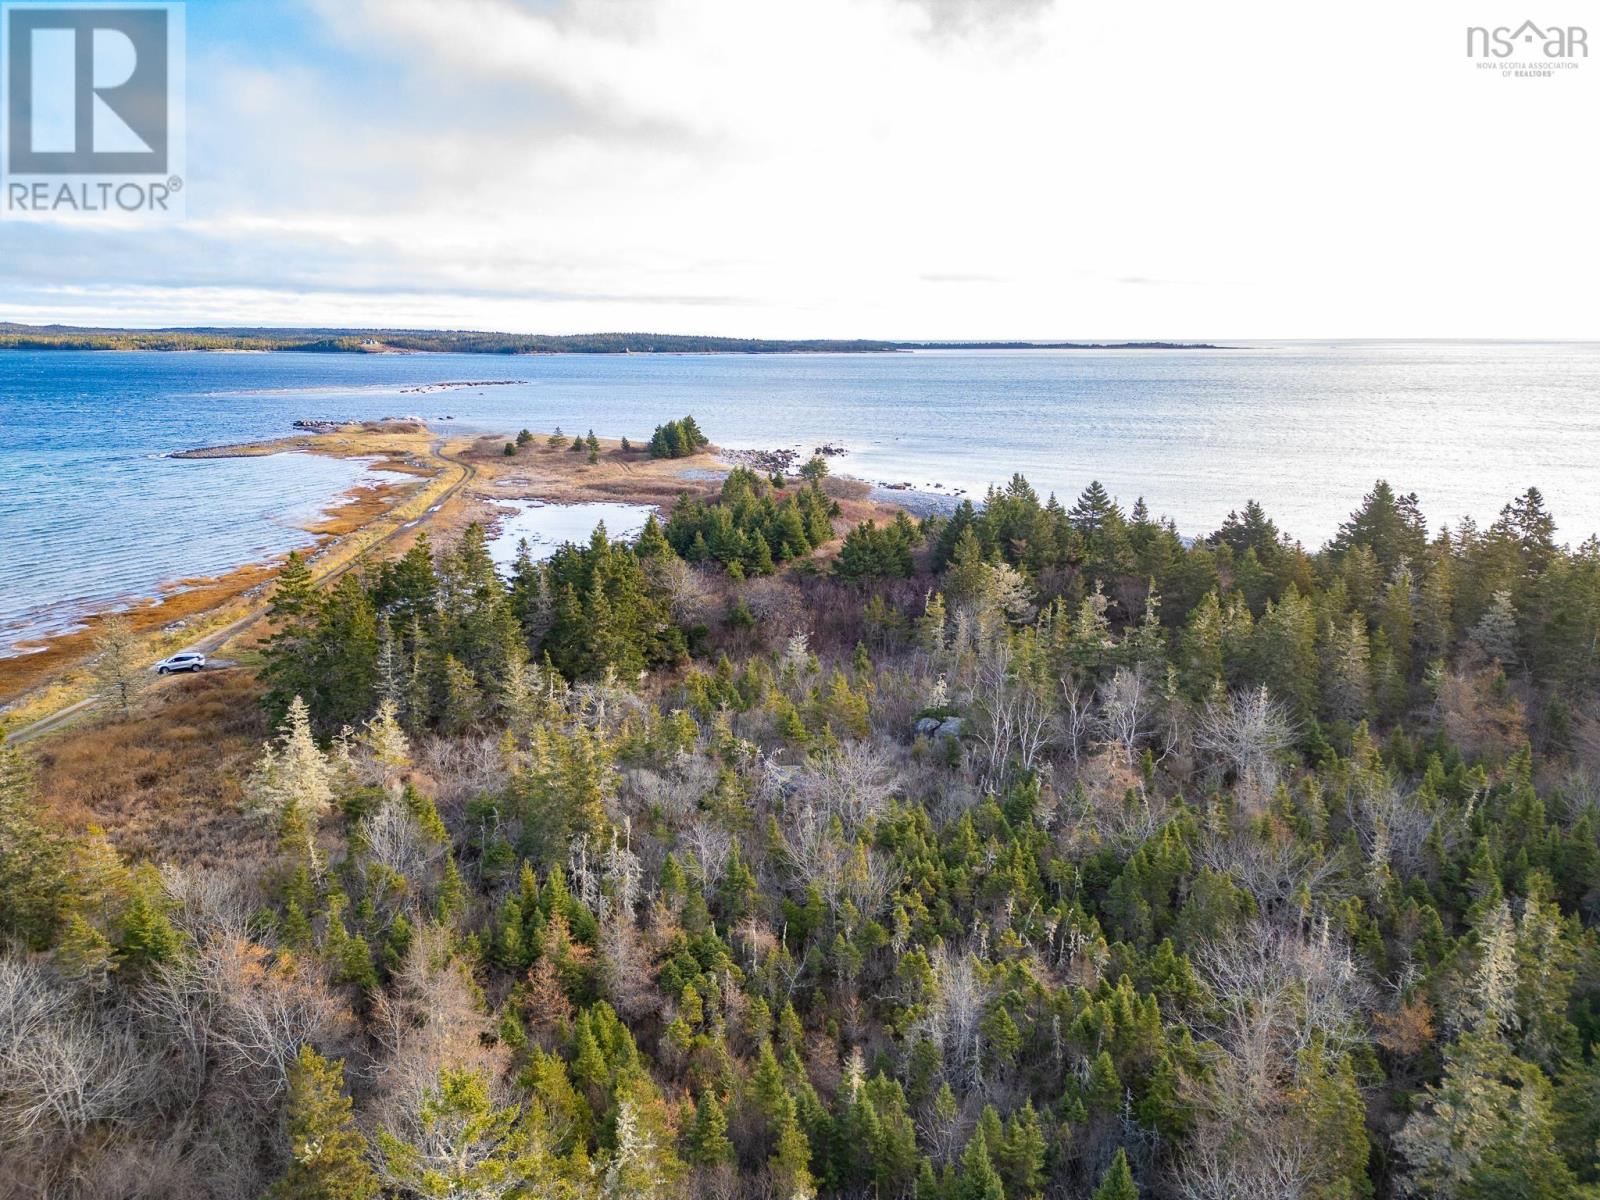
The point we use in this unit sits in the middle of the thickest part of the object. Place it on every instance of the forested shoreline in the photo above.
(460, 341)
(1027, 852)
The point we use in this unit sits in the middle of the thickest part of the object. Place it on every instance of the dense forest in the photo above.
(1030, 852)
(364, 341)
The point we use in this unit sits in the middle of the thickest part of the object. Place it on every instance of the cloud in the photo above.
(964, 16)
(925, 168)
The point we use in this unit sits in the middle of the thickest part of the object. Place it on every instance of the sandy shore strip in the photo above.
(49, 673)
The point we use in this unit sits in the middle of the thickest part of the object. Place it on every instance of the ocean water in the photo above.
(90, 512)
(547, 527)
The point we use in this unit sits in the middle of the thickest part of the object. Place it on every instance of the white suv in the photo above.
(181, 662)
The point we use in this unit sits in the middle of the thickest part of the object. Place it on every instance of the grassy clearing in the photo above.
(165, 785)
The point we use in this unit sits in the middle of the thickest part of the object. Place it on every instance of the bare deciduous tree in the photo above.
(1127, 711)
(953, 1018)
(1076, 713)
(1248, 731)
(1394, 827)
(708, 847)
(853, 783)
(1012, 713)
(689, 596)
(774, 602)
(1277, 873)
(390, 838)
(61, 1070)
(462, 768)
(602, 703)
(1275, 994)
(238, 1018)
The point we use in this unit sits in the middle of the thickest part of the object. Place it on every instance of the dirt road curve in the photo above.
(215, 640)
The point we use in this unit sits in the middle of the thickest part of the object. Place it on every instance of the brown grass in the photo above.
(362, 506)
(166, 785)
(182, 601)
(50, 677)
(558, 475)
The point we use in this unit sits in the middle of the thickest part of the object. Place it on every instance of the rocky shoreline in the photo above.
(933, 500)
(455, 384)
(768, 462)
(294, 442)
(240, 450)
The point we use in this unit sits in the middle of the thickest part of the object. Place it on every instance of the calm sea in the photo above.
(91, 513)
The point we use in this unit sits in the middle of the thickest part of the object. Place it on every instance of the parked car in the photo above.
(181, 662)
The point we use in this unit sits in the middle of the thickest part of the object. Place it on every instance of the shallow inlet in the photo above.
(548, 526)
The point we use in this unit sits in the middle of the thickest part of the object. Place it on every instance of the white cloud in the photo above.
(929, 168)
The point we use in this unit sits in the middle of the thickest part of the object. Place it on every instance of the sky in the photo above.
(855, 168)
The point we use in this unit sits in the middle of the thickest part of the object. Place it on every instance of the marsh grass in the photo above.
(166, 784)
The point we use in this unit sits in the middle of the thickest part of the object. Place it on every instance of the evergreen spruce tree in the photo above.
(707, 1140)
(1495, 634)
(652, 543)
(144, 935)
(978, 1179)
(33, 858)
(469, 1146)
(1021, 1157)
(1117, 1183)
(327, 1152)
(790, 1164)
(1487, 1129)
(1389, 525)
(759, 560)
(345, 656)
(968, 576)
(289, 662)
(693, 439)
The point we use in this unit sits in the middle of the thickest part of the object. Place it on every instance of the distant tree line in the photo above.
(356, 341)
